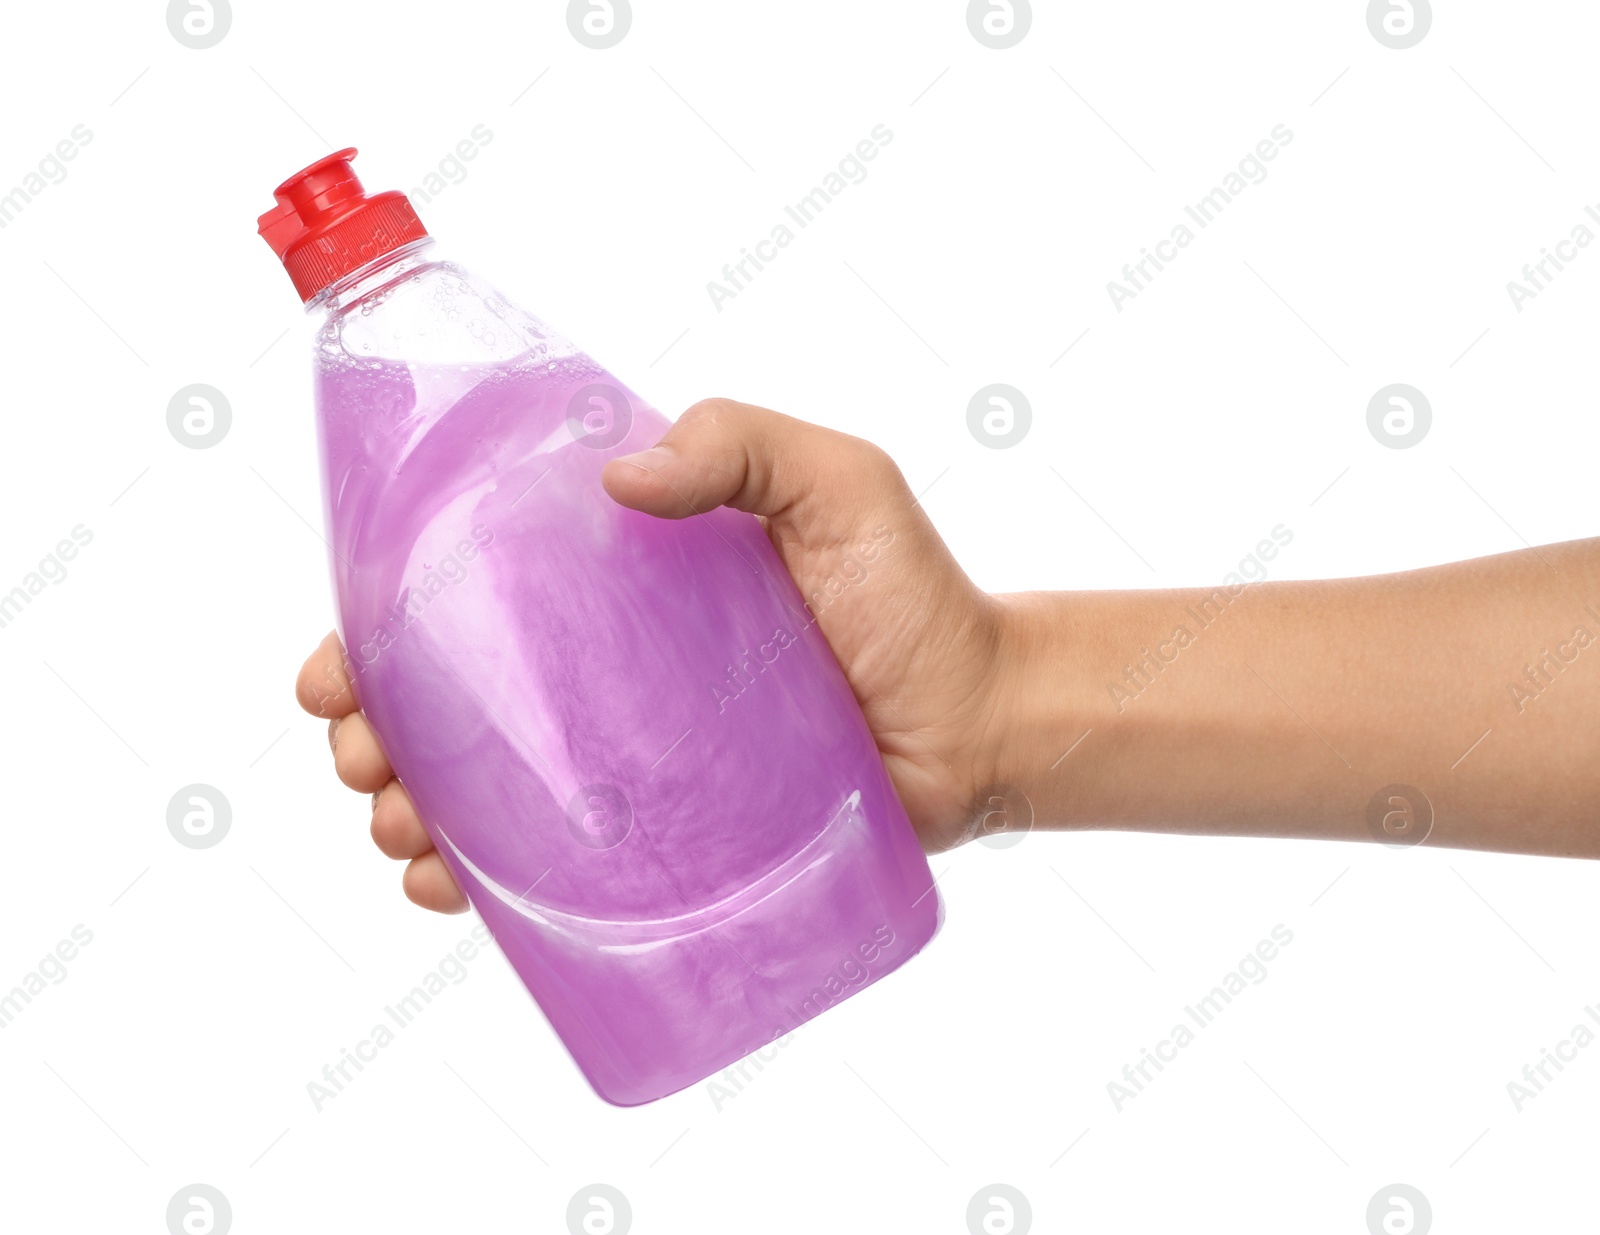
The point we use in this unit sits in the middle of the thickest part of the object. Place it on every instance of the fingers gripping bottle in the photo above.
(626, 735)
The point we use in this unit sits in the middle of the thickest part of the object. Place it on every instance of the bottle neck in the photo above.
(380, 271)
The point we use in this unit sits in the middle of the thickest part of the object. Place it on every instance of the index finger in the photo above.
(323, 687)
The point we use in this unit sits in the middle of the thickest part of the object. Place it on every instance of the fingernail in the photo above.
(652, 460)
(333, 735)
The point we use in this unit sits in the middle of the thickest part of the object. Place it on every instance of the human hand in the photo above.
(920, 645)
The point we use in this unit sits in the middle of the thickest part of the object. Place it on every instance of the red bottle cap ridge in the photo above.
(325, 225)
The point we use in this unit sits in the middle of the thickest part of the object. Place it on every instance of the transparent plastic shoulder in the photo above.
(433, 313)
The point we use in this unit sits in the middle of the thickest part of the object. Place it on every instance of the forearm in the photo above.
(1284, 708)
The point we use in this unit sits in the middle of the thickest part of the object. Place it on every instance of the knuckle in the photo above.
(877, 458)
(877, 463)
(717, 405)
(715, 413)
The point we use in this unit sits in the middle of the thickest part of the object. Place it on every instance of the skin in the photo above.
(1285, 713)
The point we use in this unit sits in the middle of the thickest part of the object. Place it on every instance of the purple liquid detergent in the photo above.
(626, 735)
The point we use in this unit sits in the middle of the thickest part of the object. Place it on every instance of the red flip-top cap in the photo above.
(325, 225)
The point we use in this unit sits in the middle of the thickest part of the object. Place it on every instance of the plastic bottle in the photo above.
(626, 736)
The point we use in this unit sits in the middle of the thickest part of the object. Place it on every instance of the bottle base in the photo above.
(648, 1008)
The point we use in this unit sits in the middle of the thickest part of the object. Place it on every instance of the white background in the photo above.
(220, 981)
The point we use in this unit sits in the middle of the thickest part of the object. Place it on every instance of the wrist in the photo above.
(1107, 721)
(1044, 706)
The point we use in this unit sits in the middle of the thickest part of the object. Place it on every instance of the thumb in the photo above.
(722, 453)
